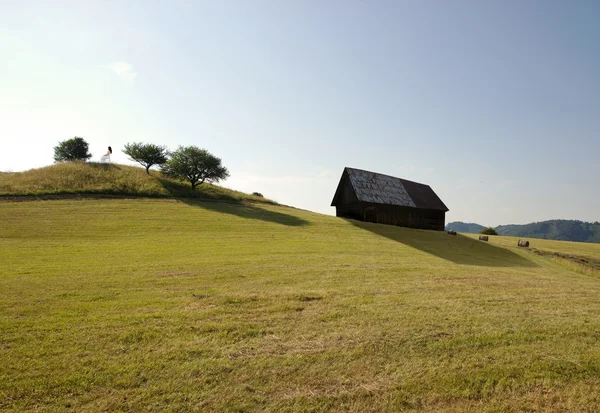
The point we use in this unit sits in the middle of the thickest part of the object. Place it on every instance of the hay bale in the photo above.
(483, 238)
(523, 243)
(451, 232)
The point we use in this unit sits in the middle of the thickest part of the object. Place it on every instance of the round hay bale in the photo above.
(523, 243)
(451, 232)
(483, 238)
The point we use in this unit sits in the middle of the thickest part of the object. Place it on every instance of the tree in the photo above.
(146, 154)
(195, 165)
(488, 231)
(75, 149)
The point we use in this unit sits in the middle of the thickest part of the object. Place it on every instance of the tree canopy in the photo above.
(146, 154)
(74, 149)
(195, 165)
(488, 231)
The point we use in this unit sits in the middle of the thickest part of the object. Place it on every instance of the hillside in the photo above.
(78, 178)
(464, 227)
(183, 305)
(559, 229)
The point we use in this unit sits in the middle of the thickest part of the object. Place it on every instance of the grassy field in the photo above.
(182, 305)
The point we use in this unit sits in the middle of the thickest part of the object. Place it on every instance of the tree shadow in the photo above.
(209, 197)
(246, 211)
(179, 189)
(206, 191)
(458, 249)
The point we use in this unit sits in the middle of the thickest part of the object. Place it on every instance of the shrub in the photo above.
(258, 194)
(75, 149)
(488, 231)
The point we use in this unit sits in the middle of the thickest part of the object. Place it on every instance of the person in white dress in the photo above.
(106, 156)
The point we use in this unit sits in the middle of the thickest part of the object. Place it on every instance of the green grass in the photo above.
(171, 305)
(79, 178)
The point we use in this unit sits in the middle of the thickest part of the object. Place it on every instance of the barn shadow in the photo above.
(458, 249)
(246, 211)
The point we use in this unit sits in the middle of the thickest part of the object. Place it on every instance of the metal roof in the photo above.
(384, 189)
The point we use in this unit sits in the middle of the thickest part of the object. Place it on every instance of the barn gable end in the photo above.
(346, 200)
(345, 193)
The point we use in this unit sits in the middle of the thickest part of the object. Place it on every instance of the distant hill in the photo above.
(468, 227)
(557, 229)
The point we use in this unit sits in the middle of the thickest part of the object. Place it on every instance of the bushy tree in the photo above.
(488, 231)
(146, 154)
(75, 149)
(194, 165)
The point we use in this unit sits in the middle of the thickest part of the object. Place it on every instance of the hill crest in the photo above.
(89, 178)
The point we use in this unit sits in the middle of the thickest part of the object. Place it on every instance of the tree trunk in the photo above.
(147, 169)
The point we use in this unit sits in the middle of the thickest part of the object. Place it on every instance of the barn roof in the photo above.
(384, 189)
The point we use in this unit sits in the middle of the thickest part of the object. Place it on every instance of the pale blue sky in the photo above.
(496, 105)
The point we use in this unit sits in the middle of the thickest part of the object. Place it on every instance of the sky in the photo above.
(495, 105)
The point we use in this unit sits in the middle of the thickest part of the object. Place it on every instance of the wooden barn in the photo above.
(372, 197)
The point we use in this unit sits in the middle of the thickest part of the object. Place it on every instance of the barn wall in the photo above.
(393, 215)
(352, 211)
(403, 216)
(429, 219)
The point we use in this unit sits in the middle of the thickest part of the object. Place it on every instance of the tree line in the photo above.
(188, 163)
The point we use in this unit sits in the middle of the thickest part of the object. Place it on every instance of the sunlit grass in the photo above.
(165, 305)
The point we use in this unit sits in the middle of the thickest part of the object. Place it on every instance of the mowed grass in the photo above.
(165, 305)
(580, 257)
(572, 248)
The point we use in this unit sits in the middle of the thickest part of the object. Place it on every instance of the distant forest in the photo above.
(557, 229)
(468, 227)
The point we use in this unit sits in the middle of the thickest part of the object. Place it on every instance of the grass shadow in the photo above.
(246, 210)
(458, 249)
(103, 165)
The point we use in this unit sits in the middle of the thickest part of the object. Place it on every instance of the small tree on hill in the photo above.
(146, 154)
(195, 165)
(488, 231)
(75, 149)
